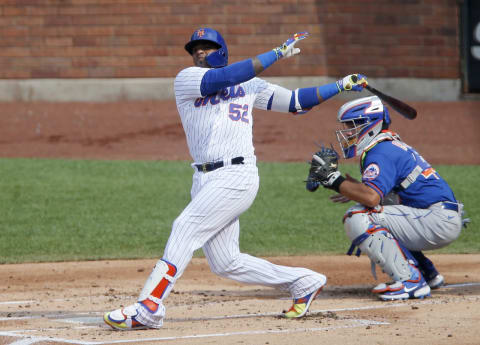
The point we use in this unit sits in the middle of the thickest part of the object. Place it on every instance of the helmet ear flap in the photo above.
(217, 58)
(385, 126)
(386, 118)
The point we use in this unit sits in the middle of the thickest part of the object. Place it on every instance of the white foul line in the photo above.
(18, 302)
(50, 316)
(356, 323)
(32, 340)
(24, 341)
(449, 286)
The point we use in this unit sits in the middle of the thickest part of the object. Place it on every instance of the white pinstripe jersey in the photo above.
(219, 126)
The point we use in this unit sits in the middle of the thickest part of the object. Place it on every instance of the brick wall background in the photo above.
(145, 38)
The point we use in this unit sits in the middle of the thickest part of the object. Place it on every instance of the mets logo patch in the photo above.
(371, 172)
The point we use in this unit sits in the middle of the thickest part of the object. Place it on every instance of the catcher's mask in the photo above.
(362, 120)
(216, 59)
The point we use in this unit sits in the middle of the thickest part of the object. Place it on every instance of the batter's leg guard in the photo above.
(159, 283)
(158, 287)
(149, 311)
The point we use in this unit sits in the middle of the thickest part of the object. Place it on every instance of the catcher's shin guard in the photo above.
(379, 244)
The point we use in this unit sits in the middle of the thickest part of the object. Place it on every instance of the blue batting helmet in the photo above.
(363, 118)
(216, 59)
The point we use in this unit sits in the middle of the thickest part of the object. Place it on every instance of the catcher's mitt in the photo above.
(324, 168)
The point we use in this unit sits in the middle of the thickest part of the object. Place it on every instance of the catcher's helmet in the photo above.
(362, 119)
(216, 59)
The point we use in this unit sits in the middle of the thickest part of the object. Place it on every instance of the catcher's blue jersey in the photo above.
(388, 164)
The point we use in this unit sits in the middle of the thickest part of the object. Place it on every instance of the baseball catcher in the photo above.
(393, 232)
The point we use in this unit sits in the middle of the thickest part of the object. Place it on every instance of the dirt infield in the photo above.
(62, 303)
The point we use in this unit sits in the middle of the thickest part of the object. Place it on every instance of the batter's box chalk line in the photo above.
(27, 339)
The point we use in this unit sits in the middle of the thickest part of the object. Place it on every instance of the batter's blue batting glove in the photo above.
(288, 49)
(352, 82)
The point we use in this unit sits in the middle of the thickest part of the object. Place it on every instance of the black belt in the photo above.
(206, 167)
(450, 206)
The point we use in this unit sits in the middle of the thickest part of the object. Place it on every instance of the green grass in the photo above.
(55, 210)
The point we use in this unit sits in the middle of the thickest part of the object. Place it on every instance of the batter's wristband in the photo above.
(336, 184)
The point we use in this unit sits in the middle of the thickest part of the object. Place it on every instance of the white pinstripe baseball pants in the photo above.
(211, 221)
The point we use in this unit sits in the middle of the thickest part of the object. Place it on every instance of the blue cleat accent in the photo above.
(415, 287)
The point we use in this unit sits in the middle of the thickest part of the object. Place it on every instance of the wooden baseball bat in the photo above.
(402, 108)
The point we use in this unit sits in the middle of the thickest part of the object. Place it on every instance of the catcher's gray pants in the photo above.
(421, 229)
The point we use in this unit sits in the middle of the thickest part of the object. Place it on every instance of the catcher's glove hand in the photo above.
(323, 169)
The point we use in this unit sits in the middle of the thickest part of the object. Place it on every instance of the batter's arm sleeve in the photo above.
(301, 100)
(242, 71)
(219, 78)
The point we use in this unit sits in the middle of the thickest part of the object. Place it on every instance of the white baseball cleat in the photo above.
(404, 290)
(134, 317)
(124, 319)
(415, 287)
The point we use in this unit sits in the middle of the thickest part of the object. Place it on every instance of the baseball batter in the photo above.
(215, 102)
(404, 207)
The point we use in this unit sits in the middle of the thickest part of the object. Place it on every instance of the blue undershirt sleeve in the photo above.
(307, 97)
(328, 91)
(217, 79)
(267, 59)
